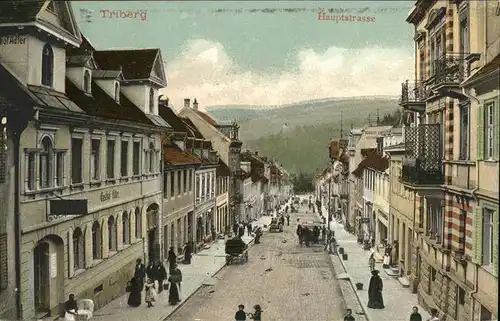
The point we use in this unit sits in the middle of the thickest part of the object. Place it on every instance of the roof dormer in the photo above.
(79, 68)
(109, 81)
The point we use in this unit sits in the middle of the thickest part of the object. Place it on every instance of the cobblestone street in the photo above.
(289, 282)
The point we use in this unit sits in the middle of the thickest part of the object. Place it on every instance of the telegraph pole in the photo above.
(341, 124)
(378, 117)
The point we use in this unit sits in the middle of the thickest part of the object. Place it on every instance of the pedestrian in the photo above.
(134, 287)
(241, 230)
(240, 315)
(151, 271)
(348, 316)
(375, 299)
(171, 258)
(434, 315)
(371, 261)
(187, 253)
(175, 280)
(287, 219)
(299, 233)
(415, 315)
(161, 275)
(235, 228)
(249, 229)
(150, 293)
(71, 309)
(257, 314)
(140, 273)
(333, 244)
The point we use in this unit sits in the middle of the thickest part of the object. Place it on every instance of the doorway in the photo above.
(151, 245)
(152, 233)
(41, 277)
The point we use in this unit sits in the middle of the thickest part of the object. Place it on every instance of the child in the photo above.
(240, 314)
(371, 261)
(150, 293)
(348, 316)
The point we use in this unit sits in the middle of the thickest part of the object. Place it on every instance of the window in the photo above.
(125, 229)
(151, 100)
(87, 85)
(46, 163)
(488, 237)
(78, 249)
(152, 155)
(464, 131)
(60, 168)
(124, 158)
(435, 218)
(460, 296)
(117, 92)
(31, 180)
(138, 223)
(76, 160)
(203, 185)
(172, 184)
(179, 181)
(485, 314)
(95, 168)
(489, 131)
(185, 173)
(136, 152)
(112, 234)
(96, 241)
(421, 71)
(47, 66)
(3, 149)
(110, 160)
(190, 180)
(464, 33)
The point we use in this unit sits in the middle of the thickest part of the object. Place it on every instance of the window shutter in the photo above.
(480, 132)
(477, 244)
(495, 242)
(4, 273)
(496, 131)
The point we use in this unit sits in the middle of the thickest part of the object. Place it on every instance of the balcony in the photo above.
(413, 96)
(422, 164)
(449, 71)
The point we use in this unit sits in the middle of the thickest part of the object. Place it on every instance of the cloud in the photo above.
(205, 71)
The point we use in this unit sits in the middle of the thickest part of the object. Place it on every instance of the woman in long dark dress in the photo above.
(173, 292)
(375, 299)
(134, 298)
(187, 254)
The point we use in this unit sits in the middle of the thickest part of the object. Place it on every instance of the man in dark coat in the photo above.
(140, 273)
(171, 258)
(187, 253)
(241, 230)
(151, 271)
(235, 228)
(249, 229)
(161, 275)
(415, 315)
(375, 299)
(287, 219)
(299, 233)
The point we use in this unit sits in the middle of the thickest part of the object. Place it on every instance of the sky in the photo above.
(262, 52)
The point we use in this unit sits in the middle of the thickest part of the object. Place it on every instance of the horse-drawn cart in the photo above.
(236, 251)
(275, 225)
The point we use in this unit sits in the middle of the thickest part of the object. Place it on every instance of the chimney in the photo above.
(195, 104)
(187, 102)
(257, 153)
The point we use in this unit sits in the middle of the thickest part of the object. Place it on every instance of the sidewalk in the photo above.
(398, 301)
(204, 265)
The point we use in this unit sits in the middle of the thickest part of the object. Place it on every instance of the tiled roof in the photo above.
(223, 169)
(373, 161)
(19, 11)
(173, 155)
(14, 96)
(207, 118)
(175, 121)
(85, 48)
(135, 64)
(102, 105)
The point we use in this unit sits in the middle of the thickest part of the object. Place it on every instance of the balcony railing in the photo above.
(412, 92)
(422, 164)
(451, 69)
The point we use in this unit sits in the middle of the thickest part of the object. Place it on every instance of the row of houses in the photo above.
(97, 169)
(430, 187)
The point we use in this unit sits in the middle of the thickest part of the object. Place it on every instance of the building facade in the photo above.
(451, 156)
(92, 138)
(222, 224)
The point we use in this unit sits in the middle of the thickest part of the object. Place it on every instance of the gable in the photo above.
(158, 70)
(58, 16)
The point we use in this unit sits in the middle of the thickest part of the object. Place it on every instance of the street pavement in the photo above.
(289, 282)
(205, 264)
(398, 301)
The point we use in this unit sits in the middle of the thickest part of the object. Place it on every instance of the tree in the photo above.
(303, 183)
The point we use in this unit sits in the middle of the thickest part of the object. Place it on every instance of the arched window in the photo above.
(151, 100)
(87, 85)
(45, 168)
(78, 249)
(96, 241)
(137, 223)
(111, 234)
(125, 229)
(47, 66)
(117, 92)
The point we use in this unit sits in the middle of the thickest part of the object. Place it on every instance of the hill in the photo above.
(297, 135)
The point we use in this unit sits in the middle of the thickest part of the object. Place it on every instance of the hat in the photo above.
(375, 272)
